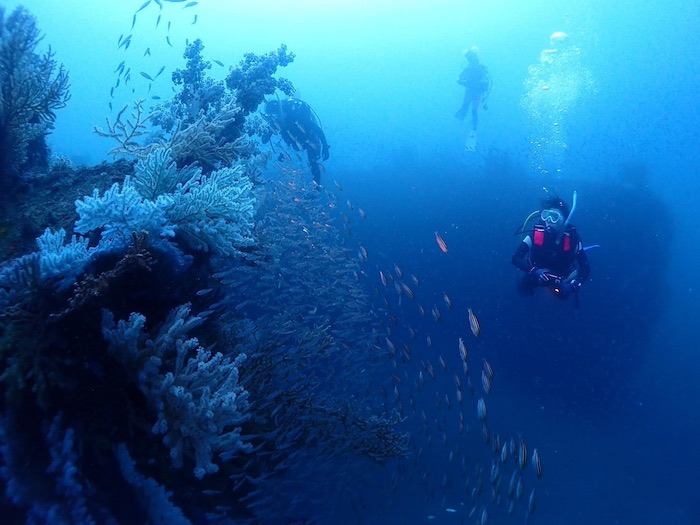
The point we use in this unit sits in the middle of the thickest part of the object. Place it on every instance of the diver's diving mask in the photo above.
(551, 217)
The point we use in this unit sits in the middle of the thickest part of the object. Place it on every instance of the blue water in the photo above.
(606, 392)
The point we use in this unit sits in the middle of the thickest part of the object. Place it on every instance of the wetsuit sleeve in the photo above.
(520, 258)
(322, 136)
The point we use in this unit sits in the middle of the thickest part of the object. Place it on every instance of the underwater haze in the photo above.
(264, 349)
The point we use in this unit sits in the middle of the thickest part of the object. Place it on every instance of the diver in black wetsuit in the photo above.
(552, 256)
(298, 126)
(477, 84)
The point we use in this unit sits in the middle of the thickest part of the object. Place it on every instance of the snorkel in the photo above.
(568, 218)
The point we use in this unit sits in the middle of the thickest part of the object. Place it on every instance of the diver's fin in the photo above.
(470, 144)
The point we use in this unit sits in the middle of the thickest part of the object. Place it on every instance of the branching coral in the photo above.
(204, 122)
(126, 130)
(252, 79)
(32, 87)
(196, 395)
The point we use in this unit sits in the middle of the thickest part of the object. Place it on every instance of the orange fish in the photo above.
(441, 242)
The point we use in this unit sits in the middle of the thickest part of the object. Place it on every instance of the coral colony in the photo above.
(160, 361)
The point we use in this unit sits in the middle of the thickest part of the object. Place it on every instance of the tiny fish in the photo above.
(398, 271)
(144, 6)
(441, 242)
(447, 299)
(156, 97)
(169, 26)
(481, 409)
(462, 350)
(362, 213)
(488, 369)
(111, 92)
(147, 76)
(110, 106)
(536, 463)
(513, 483)
(485, 382)
(218, 62)
(125, 42)
(120, 67)
(474, 324)
(522, 454)
(337, 184)
(519, 489)
(190, 4)
(408, 290)
(204, 291)
(531, 502)
(120, 39)
(147, 52)
(195, 20)
(160, 71)
(133, 23)
(167, 39)
(363, 251)
(382, 277)
(428, 341)
(158, 21)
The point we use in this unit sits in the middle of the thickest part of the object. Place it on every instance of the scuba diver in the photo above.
(477, 85)
(551, 254)
(300, 128)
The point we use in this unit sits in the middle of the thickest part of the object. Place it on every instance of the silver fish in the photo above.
(488, 369)
(536, 463)
(485, 382)
(474, 323)
(531, 502)
(522, 454)
(462, 350)
(481, 409)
